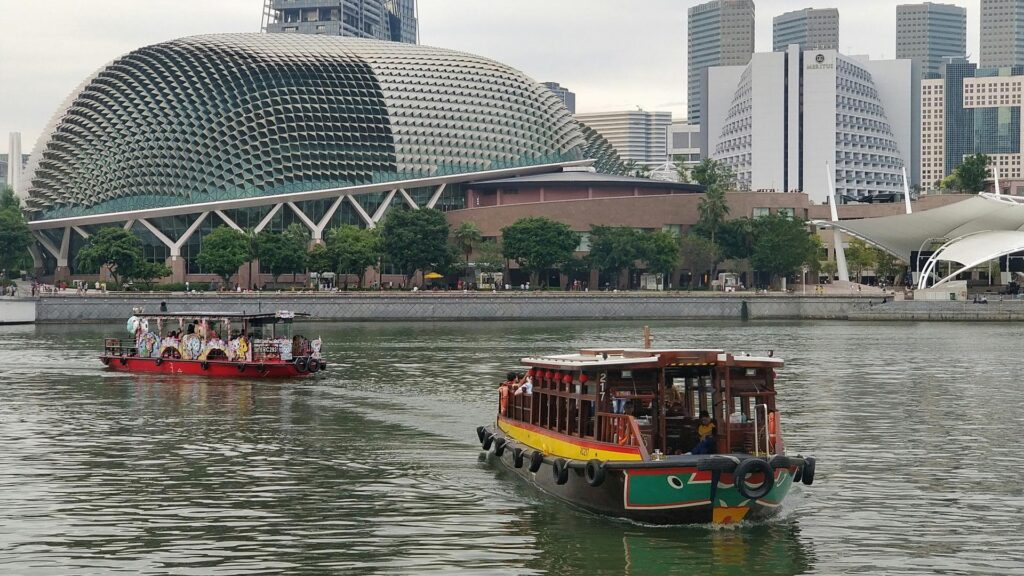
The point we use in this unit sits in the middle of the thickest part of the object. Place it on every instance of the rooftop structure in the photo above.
(810, 28)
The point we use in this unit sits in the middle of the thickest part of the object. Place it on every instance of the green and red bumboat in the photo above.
(611, 431)
(218, 344)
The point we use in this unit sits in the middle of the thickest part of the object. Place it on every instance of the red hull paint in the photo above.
(214, 368)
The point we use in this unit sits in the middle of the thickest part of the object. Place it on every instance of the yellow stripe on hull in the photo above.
(564, 447)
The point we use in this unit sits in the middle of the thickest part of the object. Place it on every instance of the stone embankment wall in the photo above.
(17, 311)
(456, 306)
(459, 306)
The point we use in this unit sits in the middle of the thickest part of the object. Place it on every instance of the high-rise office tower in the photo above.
(394, 20)
(1002, 33)
(568, 97)
(636, 135)
(14, 165)
(928, 33)
(810, 28)
(720, 33)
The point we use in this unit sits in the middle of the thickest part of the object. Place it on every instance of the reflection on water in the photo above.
(373, 467)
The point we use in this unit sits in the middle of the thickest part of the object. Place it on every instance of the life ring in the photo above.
(536, 460)
(204, 365)
(808, 471)
(594, 472)
(480, 431)
(159, 361)
(560, 471)
(313, 365)
(751, 466)
(499, 446)
(300, 364)
(241, 367)
(517, 457)
(488, 440)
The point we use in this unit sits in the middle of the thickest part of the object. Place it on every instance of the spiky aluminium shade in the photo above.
(230, 116)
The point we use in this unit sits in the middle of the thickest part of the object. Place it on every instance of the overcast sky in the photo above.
(615, 54)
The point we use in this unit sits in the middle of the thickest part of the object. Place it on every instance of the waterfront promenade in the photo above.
(514, 305)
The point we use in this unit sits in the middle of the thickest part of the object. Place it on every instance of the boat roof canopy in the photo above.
(647, 358)
(275, 316)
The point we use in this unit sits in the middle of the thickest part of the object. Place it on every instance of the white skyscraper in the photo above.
(635, 134)
(14, 161)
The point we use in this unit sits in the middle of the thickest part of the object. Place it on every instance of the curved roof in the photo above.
(971, 232)
(229, 116)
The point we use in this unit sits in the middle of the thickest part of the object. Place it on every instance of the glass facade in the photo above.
(959, 121)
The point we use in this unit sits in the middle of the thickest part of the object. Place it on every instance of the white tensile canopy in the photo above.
(972, 232)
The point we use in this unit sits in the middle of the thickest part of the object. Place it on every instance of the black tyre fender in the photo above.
(105, 360)
(159, 361)
(594, 472)
(560, 471)
(261, 368)
(780, 461)
(300, 364)
(123, 360)
(798, 474)
(751, 466)
(488, 440)
(480, 431)
(205, 365)
(517, 457)
(313, 365)
(499, 446)
(536, 461)
(241, 367)
(808, 471)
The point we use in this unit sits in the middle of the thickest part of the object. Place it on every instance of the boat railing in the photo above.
(621, 429)
(763, 432)
(118, 347)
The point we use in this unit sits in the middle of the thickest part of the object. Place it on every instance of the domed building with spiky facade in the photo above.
(259, 131)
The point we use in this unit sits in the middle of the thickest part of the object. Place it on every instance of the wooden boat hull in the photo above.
(677, 490)
(210, 368)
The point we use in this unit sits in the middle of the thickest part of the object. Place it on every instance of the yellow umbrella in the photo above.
(433, 276)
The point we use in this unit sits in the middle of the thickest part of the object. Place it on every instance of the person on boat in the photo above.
(525, 387)
(503, 391)
(706, 433)
(191, 328)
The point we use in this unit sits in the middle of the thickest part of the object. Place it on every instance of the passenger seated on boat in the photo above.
(676, 409)
(706, 432)
(191, 328)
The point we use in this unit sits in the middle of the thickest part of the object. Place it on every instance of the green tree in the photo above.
(712, 210)
(148, 272)
(466, 237)
(698, 254)
(223, 252)
(682, 171)
(886, 265)
(353, 250)
(970, 175)
(538, 244)
(859, 257)
(283, 252)
(15, 238)
(614, 248)
(114, 247)
(828, 268)
(782, 246)
(714, 174)
(319, 259)
(416, 239)
(489, 257)
(736, 239)
(660, 252)
(253, 239)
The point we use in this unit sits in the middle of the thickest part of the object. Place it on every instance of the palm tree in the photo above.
(713, 209)
(466, 237)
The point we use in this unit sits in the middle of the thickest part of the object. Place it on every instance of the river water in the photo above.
(374, 466)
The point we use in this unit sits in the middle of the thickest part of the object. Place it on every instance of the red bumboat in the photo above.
(258, 346)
